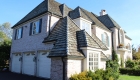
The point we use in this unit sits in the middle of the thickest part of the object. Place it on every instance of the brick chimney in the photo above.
(103, 12)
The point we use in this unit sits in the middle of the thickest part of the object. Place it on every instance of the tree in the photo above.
(133, 51)
(5, 48)
(5, 43)
(137, 56)
(5, 32)
(113, 65)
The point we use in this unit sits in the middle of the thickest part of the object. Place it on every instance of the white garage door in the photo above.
(44, 64)
(29, 63)
(16, 62)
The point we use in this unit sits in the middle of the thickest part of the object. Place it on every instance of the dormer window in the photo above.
(35, 27)
(86, 26)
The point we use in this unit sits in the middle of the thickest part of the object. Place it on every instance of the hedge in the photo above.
(129, 71)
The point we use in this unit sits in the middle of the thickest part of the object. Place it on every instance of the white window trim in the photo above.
(106, 40)
(19, 33)
(36, 28)
(93, 53)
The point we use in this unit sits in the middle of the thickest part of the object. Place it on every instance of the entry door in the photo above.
(44, 64)
(16, 62)
(29, 63)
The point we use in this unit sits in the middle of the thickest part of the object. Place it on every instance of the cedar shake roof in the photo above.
(46, 6)
(85, 40)
(95, 19)
(127, 37)
(64, 33)
(77, 12)
(108, 21)
(65, 10)
(68, 38)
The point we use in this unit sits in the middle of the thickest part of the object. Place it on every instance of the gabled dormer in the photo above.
(81, 19)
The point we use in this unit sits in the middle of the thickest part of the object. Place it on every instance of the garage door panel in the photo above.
(44, 65)
(28, 64)
(16, 63)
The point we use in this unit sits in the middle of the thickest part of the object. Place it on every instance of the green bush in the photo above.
(80, 76)
(130, 71)
(130, 64)
(99, 74)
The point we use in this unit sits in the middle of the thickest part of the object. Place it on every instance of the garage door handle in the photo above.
(20, 59)
(34, 59)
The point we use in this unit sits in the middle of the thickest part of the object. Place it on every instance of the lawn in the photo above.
(126, 77)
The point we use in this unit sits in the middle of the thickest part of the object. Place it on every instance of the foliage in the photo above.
(133, 51)
(114, 56)
(6, 29)
(80, 76)
(113, 65)
(137, 55)
(99, 74)
(130, 64)
(130, 71)
(5, 52)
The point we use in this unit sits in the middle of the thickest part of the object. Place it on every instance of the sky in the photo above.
(125, 12)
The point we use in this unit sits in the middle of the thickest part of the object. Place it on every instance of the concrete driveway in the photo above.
(14, 76)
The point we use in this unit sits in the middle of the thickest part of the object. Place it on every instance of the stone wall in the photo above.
(57, 69)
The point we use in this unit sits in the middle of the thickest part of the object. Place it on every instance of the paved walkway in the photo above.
(14, 76)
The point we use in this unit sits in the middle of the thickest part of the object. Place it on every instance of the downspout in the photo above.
(112, 40)
(50, 17)
(63, 67)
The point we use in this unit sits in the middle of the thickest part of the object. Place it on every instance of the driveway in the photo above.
(14, 76)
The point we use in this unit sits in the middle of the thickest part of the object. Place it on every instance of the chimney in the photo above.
(103, 12)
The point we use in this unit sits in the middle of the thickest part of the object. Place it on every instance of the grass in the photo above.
(127, 77)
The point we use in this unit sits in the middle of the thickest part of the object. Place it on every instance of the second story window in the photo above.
(87, 27)
(105, 39)
(19, 33)
(35, 27)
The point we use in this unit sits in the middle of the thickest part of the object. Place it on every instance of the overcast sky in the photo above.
(125, 12)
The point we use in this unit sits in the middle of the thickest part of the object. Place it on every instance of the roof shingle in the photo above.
(108, 21)
(45, 6)
(69, 38)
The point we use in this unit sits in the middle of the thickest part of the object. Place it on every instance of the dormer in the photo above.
(81, 19)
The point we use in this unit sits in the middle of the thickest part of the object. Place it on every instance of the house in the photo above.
(54, 41)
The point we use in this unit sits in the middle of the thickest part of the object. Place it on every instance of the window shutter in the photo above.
(40, 25)
(30, 33)
(21, 32)
(15, 34)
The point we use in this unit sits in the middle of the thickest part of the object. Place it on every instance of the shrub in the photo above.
(130, 64)
(113, 66)
(130, 71)
(97, 75)
(80, 76)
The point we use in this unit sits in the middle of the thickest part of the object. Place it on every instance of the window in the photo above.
(86, 26)
(105, 39)
(93, 61)
(35, 27)
(18, 33)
